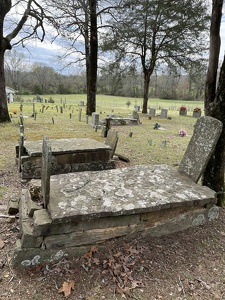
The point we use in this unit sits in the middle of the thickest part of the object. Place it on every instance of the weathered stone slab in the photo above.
(164, 112)
(68, 155)
(123, 121)
(155, 223)
(43, 224)
(207, 131)
(177, 219)
(31, 166)
(63, 146)
(80, 238)
(28, 239)
(46, 171)
(13, 206)
(112, 140)
(88, 195)
(36, 256)
(152, 112)
(23, 211)
(95, 119)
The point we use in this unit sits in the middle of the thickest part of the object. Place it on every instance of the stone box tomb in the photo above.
(90, 207)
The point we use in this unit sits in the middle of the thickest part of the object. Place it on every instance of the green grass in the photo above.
(146, 146)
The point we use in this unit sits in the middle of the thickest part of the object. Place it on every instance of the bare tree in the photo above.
(215, 104)
(16, 68)
(16, 28)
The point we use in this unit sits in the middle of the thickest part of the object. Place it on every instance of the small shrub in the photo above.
(128, 103)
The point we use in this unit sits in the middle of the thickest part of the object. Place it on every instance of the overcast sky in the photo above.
(46, 52)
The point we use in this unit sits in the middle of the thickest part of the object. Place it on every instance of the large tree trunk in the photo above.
(146, 91)
(92, 84)
(4, 113)
(213, 176)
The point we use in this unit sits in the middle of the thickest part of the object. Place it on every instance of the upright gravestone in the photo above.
(79, 114)
(46, 171)
(21, 146)
(95, 119)
(135, 115)
(152, 112)
(164, 113)
(112, 140)
(207, 131)
(81, 103)
(137, 108)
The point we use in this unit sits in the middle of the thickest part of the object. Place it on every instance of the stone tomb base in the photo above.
(68, 155)
(91, 207)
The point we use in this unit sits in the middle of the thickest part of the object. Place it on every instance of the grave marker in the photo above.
(46, 171)
(79, 114)
(112, 140)
(21, 146)
(207, 131)
(95, 119)
(152, 112)
(164, 113)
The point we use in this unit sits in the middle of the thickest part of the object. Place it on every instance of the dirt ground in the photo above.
(185, 265)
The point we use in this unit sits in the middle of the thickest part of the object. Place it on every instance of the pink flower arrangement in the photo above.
(183, 107)
(182, 133)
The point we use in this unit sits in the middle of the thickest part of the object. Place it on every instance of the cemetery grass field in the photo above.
(181, 266)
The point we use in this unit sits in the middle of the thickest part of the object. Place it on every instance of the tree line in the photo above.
(113, 79)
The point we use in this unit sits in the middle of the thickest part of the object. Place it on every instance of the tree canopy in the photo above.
(158, 32)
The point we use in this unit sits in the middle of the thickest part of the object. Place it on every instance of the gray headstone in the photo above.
(152, 112)
(164, 113)
(111, 140)
(137, 108)
(21, 146)
(81, 103)
(207, 131)
(135, 115)
(46, 171)
(95, 119)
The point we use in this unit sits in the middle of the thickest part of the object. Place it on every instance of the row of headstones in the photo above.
(164, 113)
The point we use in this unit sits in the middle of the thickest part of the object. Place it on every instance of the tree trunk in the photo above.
(211, 79)
(146, 91)
(91, 102)
(213, 176)
(4, 113)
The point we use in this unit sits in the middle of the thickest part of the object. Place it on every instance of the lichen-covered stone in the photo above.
(137, 189)
(207, 131)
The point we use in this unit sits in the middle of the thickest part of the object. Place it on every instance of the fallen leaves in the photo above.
(118, 268)
(66, 288)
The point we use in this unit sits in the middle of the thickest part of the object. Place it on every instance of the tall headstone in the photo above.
(112, 140)
(164, 113)
(207, 131)
(137, 108)
(135, 115)
(21, 146)
(46, 171)
(79, 114)
(152, 112)
(95, 119)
